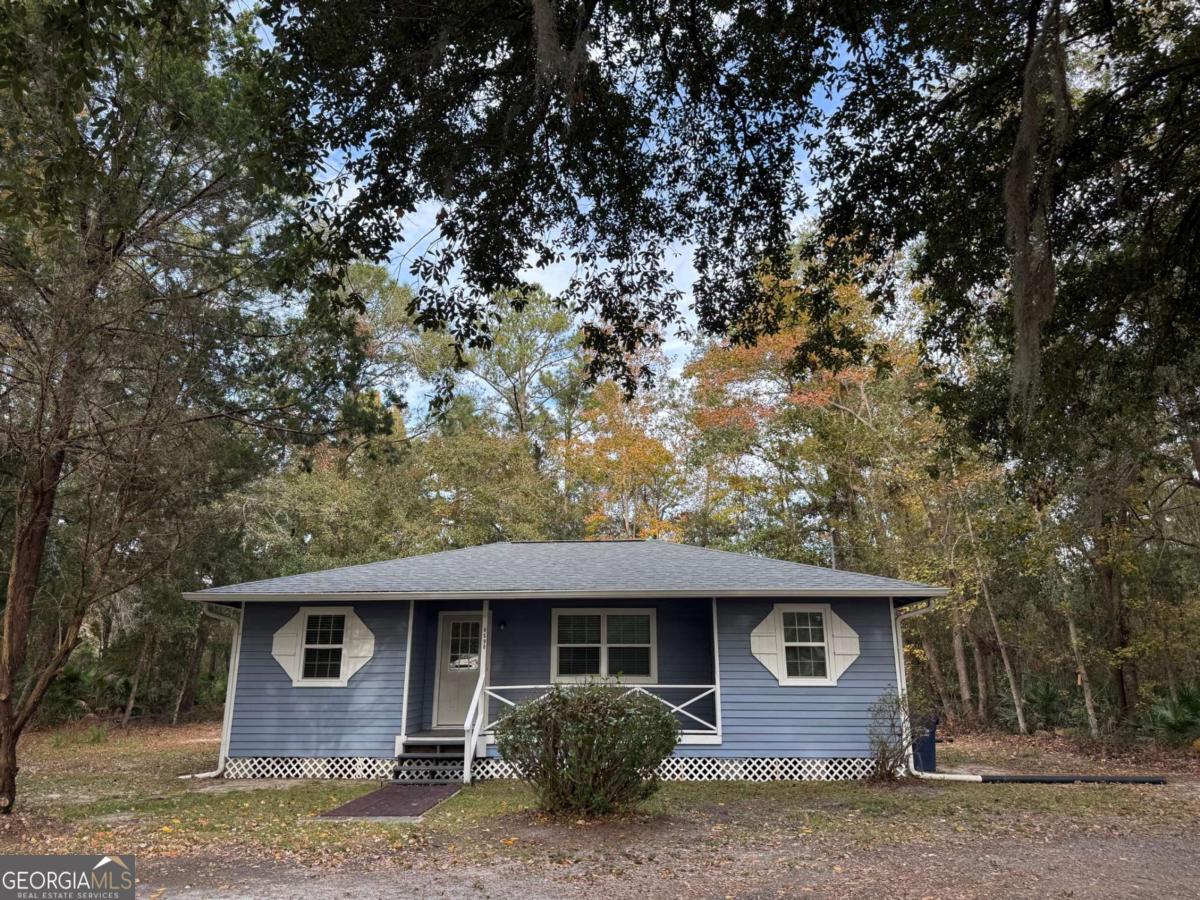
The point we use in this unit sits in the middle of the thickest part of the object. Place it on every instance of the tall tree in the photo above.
(136, 331)
(629, 472)
(598, 134)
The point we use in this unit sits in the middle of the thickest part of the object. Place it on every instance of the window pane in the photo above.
(578, 660)
(579, 629)
(464, 645)
(805, 662)
(324, 629)
(628, 629)
(803, 628)
(629, 661)
(323, 662)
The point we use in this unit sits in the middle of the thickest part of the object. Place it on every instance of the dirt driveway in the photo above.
(82, 791)
(1075, 866)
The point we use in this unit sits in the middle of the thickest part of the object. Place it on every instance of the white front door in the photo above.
(459, 640)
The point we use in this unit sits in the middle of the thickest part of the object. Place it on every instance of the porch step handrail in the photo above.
(477, 710)
(706, 690)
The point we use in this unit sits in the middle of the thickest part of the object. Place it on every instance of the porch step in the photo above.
(448, 749)
(421, 754)
(427, 768)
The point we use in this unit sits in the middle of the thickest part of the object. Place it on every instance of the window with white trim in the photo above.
(604, 643)
(324, 644)
(805, 643)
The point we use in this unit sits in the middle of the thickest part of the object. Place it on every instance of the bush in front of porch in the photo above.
(589, 749)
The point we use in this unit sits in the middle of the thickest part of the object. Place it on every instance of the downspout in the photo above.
(898, 648)
(235, 655)
(898, 617)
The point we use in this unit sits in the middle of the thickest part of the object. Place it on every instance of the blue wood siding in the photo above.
(273, 718)
(760, 717)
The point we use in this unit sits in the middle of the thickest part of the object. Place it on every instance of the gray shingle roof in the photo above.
(575, 569)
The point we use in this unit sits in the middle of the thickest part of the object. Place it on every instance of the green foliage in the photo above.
(1046, 704)
(96, 734)
(574, 138)
(589, 750)
(163, 218)
(1176, 721)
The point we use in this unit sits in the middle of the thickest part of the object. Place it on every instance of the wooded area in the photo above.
(944, 321)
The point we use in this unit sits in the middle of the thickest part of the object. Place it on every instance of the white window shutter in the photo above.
(843, 641)
(285, 646)
(357, 648)
(764, 643)
(360, 645)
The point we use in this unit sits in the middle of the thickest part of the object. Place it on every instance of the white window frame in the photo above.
(826, 612)
(604, 613)
(343, 679)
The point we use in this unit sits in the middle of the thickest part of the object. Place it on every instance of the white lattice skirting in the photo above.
(777, 768)
(694, 768)
(326, 767)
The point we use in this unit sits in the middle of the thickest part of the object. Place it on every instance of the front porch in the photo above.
(471, 662)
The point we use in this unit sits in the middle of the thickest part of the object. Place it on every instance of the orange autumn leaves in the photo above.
(629, 473)
(644, 466)
(745, 388)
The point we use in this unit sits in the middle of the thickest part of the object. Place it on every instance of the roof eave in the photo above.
(915, 593)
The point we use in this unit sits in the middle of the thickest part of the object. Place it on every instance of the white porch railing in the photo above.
(681, 699)
(690, 722)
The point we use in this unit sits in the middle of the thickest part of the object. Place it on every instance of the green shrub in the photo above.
(589, 750)
(896, 722)
(1047, 704)
(1176, 721)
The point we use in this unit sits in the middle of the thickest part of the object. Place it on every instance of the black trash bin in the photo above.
(925, 748)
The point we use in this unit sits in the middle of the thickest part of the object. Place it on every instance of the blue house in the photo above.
(404, 667)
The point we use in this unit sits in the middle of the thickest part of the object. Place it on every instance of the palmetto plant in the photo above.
(1177, 720)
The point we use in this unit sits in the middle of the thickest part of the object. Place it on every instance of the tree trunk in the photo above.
(106, 624)
(1009, 673)
(8, 768)
(143, 662)
(187, 692)
(1014, 688)
(1124, 673)
(939, 682)
(211, 655)
(1085, 683)
(1172, 679)
(960, 663)
(982, 688)
(37, 495)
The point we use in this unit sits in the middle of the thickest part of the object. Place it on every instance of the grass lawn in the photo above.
(102, 790)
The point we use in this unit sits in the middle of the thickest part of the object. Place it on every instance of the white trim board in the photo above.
(407, 672)
(716, 639)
